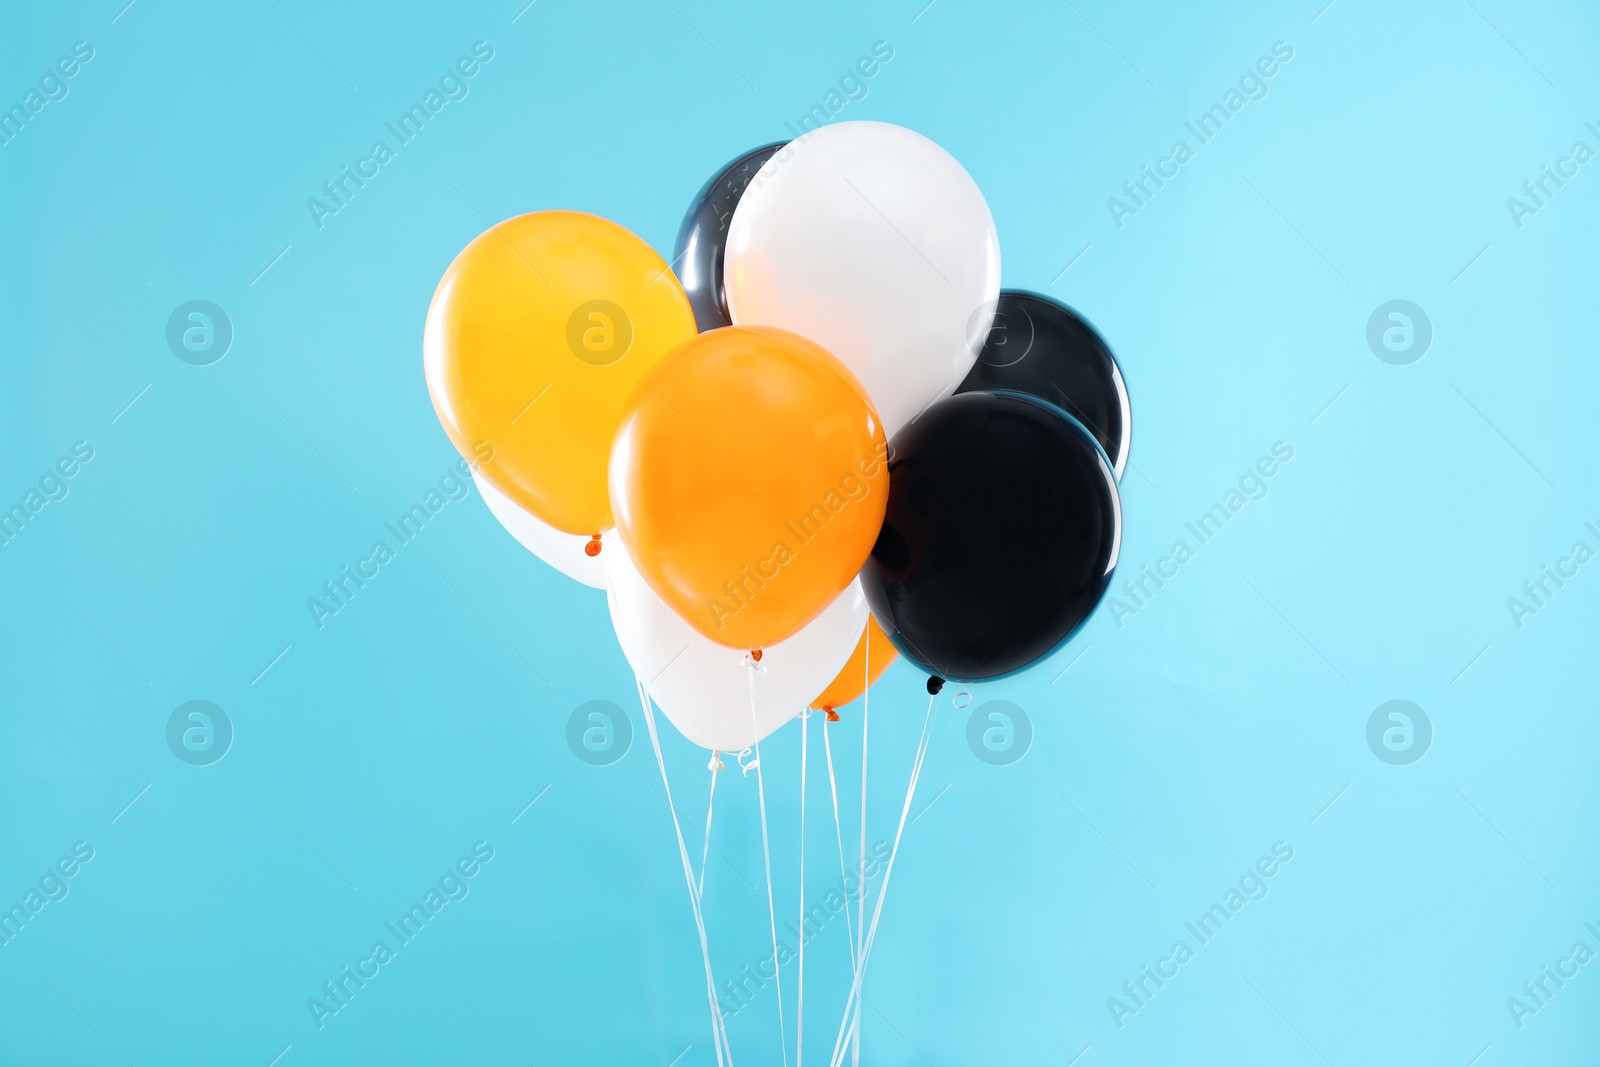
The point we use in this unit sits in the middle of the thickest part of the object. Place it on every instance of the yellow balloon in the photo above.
(536, 337)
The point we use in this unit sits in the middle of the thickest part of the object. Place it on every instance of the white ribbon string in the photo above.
(846, 1025)
(719, 1033)
(705, 853)
(838, 837)
(800, 995)
(861, 871)
(766, 856)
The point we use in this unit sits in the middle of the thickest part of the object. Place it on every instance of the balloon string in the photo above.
(700, 892)
(705, 853)
(766, 857)
(854, 1000)
(838, 837)
(872, 931)
(861, 871)
(800, 996)
(719, 1032)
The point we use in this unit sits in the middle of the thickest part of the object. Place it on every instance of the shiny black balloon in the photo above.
(703, 237)
(1002, 530)
(1040, 346)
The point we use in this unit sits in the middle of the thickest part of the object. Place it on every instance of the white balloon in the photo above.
(704, 687)
(561, 550)
(872, 241)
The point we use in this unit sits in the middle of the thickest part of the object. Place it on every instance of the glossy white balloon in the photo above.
(561, 550)
(704, 687)
(872, 241)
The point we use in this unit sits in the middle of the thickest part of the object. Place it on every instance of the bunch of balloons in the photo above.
(827, 438)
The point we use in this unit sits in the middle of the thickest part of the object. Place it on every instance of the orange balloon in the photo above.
(748, 482)
(874, 652)
(537, 336)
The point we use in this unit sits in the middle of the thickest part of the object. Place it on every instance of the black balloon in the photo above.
(1042, 347)
(1001, 534)
(697, 256)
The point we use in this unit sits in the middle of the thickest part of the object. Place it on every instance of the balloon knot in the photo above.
(935, 684)
(755, 654)
(716, 761)
(833, 716)
(593, 547)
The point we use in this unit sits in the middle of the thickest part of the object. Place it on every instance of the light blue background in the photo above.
(1222, 718)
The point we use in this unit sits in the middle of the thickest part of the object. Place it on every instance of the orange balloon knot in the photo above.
(755, 654)
(833, 716)
(593, 547)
